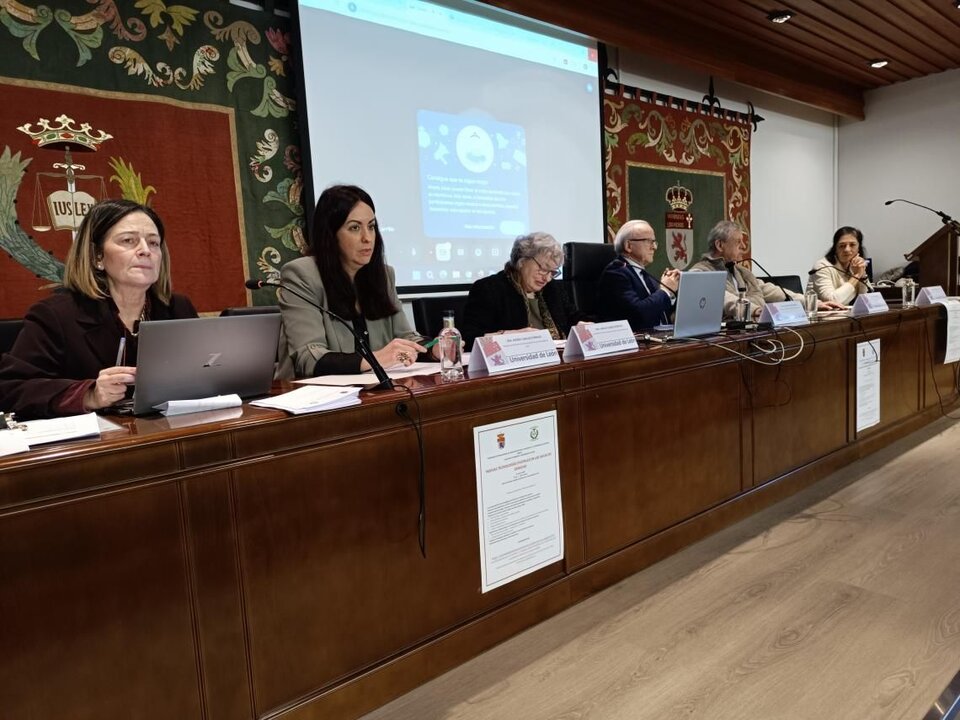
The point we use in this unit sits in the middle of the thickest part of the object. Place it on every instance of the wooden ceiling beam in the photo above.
(625, 24)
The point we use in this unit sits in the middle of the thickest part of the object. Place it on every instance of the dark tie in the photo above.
(646, 286)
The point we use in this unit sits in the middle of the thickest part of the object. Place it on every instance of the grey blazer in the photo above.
(307, 334)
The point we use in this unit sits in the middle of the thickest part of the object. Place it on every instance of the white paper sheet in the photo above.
(311, 398)
(868, 384)
(952, 306)
(368, 378)
(181, 407)
(519, 509)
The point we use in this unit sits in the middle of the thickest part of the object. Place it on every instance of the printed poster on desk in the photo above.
(868, 384)
(519, 510)
(595, 339)
(512, 351)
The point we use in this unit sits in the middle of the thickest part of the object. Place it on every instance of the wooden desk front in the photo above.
(268, 566)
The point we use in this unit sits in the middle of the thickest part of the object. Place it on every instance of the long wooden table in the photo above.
(265, 566)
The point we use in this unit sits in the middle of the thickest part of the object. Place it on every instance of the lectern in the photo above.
(937, 256)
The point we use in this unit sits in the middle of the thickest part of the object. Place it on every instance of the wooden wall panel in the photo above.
(95, 608)
(658, 451)
(332, 573)
(799, 408)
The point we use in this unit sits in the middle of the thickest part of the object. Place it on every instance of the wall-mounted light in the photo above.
(781, 16)
(879, 62)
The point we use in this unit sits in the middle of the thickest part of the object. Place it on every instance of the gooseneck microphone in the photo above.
(786, 295)
(947, 220)
(863, 281)
(363, 349)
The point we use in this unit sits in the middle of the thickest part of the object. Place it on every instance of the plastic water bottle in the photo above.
(741, 310)
(811, 301)
(451, 358)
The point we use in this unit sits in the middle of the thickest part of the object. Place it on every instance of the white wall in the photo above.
(908, 147)
(793, 166)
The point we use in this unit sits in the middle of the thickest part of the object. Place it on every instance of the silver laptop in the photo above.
(203, 357)
(699, 309)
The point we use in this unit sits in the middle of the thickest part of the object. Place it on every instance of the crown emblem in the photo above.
(64, 135)
(679, 197)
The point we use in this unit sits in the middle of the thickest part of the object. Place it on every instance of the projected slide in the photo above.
(473, 175)
(466, 131)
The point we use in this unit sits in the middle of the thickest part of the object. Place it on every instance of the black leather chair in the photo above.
(9, 329)
(790, 282)
(428, 312)
(582, 264)
(255, 310)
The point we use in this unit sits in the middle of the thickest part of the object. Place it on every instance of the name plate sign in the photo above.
(930, 294)
(513, 351)
(784, 314)
(596, 339)
(869, 304)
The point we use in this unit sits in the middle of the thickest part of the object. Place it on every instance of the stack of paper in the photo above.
(40, 432)
(368, 378)
(312, 398)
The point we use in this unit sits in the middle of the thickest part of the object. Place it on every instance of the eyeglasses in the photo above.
(546, 271)
(652, 241)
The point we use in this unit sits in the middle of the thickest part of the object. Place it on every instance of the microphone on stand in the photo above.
(363, 349)
(863, 281)
(947, 220)
(786, 295)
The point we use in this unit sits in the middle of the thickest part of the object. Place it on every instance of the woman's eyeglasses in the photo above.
(546, 271)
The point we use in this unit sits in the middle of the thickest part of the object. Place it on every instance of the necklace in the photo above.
(136, 323)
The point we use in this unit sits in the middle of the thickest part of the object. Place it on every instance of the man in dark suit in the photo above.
(626, 291)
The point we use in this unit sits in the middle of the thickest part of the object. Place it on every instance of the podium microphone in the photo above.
(363, 349)
(947, 220)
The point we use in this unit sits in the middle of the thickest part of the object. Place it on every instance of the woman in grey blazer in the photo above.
(345, 273)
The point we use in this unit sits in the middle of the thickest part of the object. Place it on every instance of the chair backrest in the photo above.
(9, 329)
(428, 312)
(255, 310)
(583, 262)
(790, 282)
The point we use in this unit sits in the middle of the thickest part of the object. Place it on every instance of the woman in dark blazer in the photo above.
(77, 350)
(521, 295)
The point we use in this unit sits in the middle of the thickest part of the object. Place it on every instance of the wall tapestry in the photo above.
(678, 165)
(188, 107)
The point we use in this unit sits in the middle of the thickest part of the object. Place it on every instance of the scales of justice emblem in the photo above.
(64, 208)
(678, 225)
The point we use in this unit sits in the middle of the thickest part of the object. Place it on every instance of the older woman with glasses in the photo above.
(521, 295)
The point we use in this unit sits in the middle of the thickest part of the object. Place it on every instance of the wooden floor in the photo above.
(842, 602)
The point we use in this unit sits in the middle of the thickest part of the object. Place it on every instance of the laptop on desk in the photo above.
(699, 308)
(202, 357)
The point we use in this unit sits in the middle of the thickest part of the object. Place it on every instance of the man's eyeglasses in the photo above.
(546, 271)
(652, 241)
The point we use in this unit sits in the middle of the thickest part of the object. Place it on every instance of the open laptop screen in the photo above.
(699, 308)
(202, 357)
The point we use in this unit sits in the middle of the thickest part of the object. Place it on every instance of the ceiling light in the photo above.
(879, 63)
(781, 16)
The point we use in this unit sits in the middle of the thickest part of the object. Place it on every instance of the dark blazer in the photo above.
(621, 296)
(67, 338)
(494, 304)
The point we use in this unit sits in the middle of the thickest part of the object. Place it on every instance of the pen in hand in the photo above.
(428, 345)
(121, 350)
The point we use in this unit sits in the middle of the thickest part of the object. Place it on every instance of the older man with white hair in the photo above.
(626, 291)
